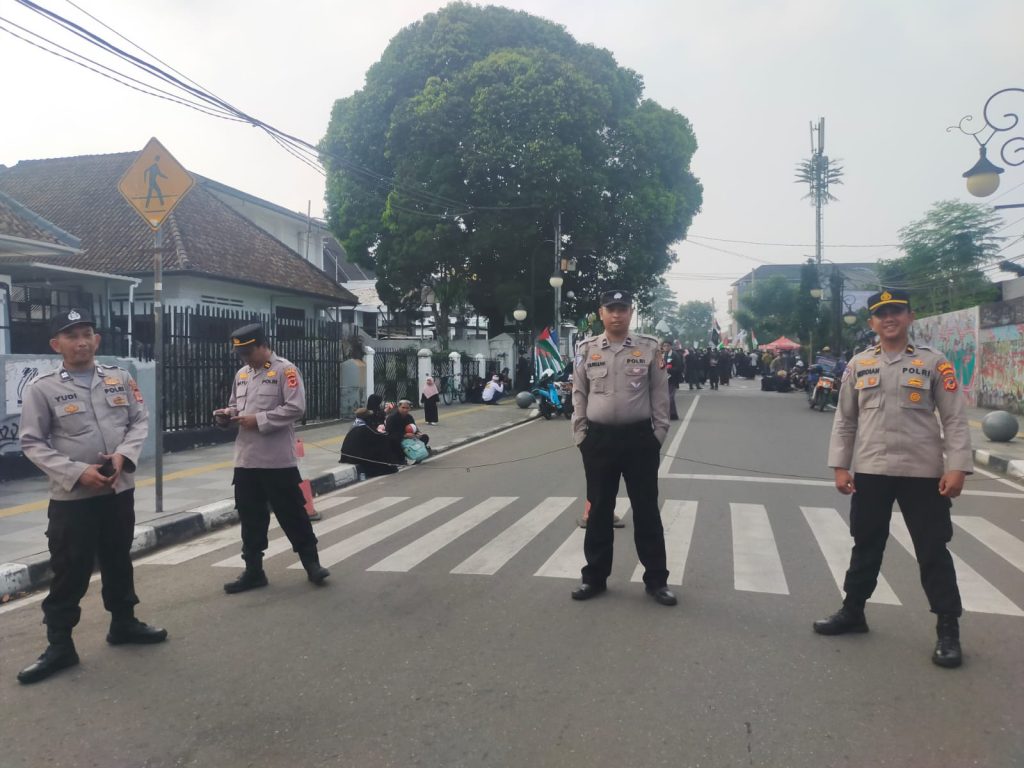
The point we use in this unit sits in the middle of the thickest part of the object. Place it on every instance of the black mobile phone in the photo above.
(107, 468)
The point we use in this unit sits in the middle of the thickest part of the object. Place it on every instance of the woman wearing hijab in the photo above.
(375, 406)
(367, 448)
(429, 396)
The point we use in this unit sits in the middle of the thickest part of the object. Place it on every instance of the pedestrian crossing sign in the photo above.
(155, 183)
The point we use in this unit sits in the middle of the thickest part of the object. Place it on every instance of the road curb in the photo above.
(1011, 467)
(34, 572)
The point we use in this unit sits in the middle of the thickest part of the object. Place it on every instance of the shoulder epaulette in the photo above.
(39, 376)
(655, 339)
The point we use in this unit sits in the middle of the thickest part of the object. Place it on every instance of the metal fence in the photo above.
(199, 364)
(395, 374)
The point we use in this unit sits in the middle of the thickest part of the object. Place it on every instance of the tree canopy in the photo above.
(944, 256)
(475, 128)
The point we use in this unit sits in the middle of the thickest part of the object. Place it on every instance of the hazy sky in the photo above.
(887, 75)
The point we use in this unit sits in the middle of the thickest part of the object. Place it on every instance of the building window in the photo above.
(291, 323)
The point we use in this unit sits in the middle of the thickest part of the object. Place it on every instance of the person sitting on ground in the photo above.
(494, 390)
(375, 406)
(395, 425)
(367, 448)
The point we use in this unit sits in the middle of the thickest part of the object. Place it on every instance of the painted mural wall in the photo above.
(955, 334)
(1001, 340)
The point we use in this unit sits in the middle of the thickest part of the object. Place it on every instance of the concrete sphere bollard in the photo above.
(524, 400)
(1000, 426)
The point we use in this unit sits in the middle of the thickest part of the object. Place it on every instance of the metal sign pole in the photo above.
(158, 356)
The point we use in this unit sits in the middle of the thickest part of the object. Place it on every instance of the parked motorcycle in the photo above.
(554, 397)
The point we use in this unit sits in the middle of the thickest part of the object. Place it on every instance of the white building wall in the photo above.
(293, 231)
(180, 291)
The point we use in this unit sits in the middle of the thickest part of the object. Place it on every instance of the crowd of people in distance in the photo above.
(709, 366)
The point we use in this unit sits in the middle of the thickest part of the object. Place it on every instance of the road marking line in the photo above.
(364, 539)
(976, 593)
(1008, 547)
(678, 518)
(677, 439)
(416, 552)
(998, 479)
(807, 481)
(833, 536)
(189, 550)
(568, 560)
(756, 563)
(277, 546)
(489, 559)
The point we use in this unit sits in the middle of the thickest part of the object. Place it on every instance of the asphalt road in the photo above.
(446, 636)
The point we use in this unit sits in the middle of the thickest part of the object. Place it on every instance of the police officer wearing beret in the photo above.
(267, 398)
(84, 425)
(885, 429)
(620, 419)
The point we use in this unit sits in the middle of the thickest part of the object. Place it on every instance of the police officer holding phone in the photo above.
(620, 419)
(84, 425)
(267, 398)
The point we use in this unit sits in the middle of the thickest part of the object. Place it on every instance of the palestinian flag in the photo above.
(715, 334)
(545, 352)
(753, 341)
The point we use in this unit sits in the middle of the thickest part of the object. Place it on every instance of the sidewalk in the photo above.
(197, 489)
(1007, 458)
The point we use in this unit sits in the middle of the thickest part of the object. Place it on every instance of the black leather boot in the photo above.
(947, 647)
(315, 572)
(847, 619)
(251, 578)
(59, 654)
(125, 630)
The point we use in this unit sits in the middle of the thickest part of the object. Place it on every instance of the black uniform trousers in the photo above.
(926, 513)
(81, 532)
(632, 453)
(254, 490)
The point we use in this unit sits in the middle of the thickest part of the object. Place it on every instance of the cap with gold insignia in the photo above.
(249, 336)
(610, 298)
(896, 297)
(69, 318)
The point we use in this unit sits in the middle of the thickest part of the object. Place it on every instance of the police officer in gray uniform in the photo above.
(267, 398)
(84, 425)
(620, 420)
(885, 429)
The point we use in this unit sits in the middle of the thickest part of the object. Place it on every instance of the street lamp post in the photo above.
(836, 284)
(983, 176)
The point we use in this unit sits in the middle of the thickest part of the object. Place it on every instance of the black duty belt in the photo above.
(636, 427)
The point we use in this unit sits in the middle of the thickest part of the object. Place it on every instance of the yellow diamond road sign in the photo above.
(155, 183)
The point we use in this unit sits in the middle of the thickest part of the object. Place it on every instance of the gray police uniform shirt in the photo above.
(617, 384)
(66, 425)
(276, 396)
(885, 423)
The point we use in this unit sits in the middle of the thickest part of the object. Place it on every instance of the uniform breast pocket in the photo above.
(637, 376)
(267, 397)
(74, 418)
(117, 405)
(915, 393)
(869, 392)
(598, 379)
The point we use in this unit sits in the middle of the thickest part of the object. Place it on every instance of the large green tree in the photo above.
(944, 256)
(770, 309)
(473, 131)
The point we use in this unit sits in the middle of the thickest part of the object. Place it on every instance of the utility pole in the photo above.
(558, 271)
(819, 184)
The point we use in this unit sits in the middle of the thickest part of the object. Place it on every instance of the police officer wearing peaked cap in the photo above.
(84, 425)
(267, 398)
(620, 419)
(886, 431)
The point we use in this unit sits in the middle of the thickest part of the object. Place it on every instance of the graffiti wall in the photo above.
(1001, 382)
(17, 373)
(955, 334)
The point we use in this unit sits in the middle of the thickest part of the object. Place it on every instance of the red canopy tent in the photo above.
(781, 344)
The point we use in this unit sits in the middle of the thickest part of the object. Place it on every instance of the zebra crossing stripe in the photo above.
(189, 550)
(413, 554)
(976, 593)
(350, 546)
(277, 546)
(1008, 547)
(489, 559)
(678, 518)
(568, 560)
(833, 537)
(755, 557)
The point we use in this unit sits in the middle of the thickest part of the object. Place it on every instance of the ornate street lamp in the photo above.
(983, 176)
(850, 318)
